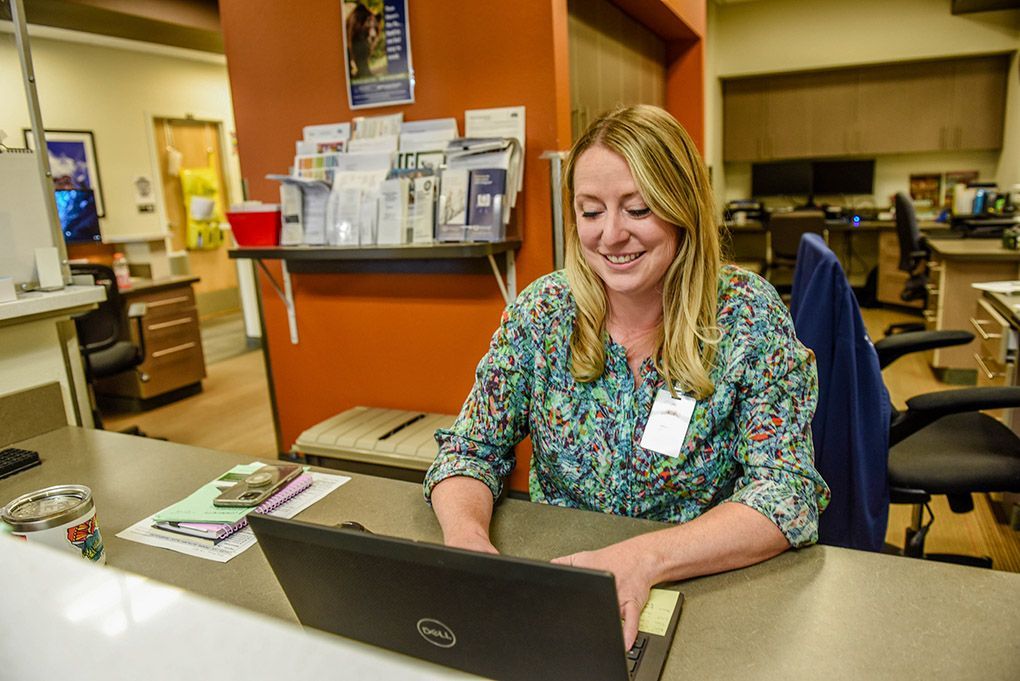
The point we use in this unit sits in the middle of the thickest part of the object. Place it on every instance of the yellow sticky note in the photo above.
(658, 611)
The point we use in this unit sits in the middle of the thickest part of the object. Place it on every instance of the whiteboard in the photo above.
(24, 223)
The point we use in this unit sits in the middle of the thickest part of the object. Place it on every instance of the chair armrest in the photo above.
(891, 348)
(929, 407)
(946, 402)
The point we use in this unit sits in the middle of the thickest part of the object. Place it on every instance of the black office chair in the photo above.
(941, 444)
(913, 254)
(101, 338)
(784, 232)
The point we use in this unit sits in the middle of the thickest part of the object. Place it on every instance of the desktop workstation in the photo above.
(842, 613)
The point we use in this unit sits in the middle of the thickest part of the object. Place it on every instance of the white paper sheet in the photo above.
(241, 541)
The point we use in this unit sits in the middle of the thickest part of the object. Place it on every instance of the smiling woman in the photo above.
(653, 382)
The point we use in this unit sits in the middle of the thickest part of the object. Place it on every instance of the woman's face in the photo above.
(625, 244)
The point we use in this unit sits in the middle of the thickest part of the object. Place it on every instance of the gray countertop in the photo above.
(972, 249)
(821, 611)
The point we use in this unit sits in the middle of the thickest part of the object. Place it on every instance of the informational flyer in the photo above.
(377, 46)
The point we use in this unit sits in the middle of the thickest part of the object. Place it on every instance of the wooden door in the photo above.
(978, 103)
(744, 119)
(833, 113)
(199, 145)
(903, 108)
(790, 101)
(614, 61)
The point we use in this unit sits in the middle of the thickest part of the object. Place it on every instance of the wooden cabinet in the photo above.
(901, 109)
(174, 364)
(744, 125)
(946, 105)
(993, 357)
(978, 104)
(958, 263)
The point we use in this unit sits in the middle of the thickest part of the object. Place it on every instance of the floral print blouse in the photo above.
(749, 442)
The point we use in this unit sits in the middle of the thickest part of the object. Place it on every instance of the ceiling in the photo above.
(190, 24)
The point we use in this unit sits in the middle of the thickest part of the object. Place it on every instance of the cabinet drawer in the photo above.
(992, 332)
(166, 303)
(172, 367)
(167, 331)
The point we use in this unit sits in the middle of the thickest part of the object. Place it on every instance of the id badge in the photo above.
(667, 424)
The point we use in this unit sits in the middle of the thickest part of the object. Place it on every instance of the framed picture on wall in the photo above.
(72, 161)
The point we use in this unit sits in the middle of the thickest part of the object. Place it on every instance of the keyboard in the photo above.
(14, 460)
(635, 653)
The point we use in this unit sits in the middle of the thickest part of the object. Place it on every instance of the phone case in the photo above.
(258, 486)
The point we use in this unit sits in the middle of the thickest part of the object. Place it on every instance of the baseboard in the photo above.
(119, 403)
(956, 376)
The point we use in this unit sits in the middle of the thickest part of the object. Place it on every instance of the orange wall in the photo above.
(685, 87)
(406, 341)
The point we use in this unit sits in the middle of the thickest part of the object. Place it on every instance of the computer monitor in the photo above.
(79, 220)
(843, 177)
(781, 178)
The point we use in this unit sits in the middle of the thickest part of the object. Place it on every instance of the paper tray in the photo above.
(384, 437)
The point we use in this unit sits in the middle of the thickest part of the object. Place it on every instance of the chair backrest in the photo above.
(100, 328)
(908, 233)
(787, 228)
(850, 427)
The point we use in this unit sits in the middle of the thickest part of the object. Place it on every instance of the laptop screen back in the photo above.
(501, 617)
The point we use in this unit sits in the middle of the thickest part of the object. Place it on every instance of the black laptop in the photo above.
(496, 616)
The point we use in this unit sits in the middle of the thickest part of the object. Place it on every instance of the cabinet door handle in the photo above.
(989, 374)
(932, 289)
(169, 351)
(167, 301)
(172, 322)
(929, 316)
(979, 326)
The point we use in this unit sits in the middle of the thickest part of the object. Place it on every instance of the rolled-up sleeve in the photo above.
(494, 417)
(777, 398)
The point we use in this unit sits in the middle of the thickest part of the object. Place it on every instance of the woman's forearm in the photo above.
(727, 537)
(463, 507)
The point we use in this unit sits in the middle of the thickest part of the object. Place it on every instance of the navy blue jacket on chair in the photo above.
(851, 424)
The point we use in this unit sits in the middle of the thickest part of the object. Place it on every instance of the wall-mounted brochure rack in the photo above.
(438, 257)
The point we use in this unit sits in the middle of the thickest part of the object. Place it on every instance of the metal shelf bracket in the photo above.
(286, 294)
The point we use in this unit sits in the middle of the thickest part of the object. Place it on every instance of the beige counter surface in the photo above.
(818, 612)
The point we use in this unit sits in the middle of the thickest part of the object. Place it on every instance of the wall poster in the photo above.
(377, 46)
(72, 161)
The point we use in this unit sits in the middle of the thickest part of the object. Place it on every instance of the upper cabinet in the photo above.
(893, 108)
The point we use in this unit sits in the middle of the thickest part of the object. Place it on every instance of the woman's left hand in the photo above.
(633, 576)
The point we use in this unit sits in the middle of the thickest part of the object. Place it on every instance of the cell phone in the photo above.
(258, 486)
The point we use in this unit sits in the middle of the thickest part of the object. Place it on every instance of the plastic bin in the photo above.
(256, 227)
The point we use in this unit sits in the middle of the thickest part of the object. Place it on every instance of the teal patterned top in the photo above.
(750, 442)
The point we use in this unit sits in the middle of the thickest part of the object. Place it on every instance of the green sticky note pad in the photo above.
(658, 611)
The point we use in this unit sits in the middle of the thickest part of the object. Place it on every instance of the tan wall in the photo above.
(791, 35)
(114, 92)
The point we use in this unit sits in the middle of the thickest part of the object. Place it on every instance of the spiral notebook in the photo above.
(211, 533)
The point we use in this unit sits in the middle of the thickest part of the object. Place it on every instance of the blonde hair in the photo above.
(673, 181)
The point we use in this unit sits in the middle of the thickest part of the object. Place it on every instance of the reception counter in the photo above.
(817, 612)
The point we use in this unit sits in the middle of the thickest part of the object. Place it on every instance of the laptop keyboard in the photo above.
(635, 654)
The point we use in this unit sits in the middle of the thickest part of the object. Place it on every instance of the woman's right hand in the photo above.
(470, 542)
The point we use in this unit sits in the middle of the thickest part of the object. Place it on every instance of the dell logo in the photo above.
(436, 633)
